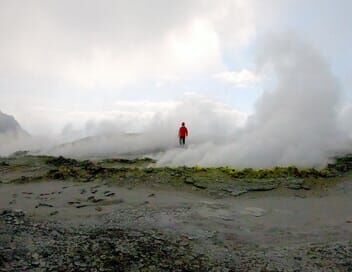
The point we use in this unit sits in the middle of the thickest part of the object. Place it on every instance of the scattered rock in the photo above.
(200, 185)
(261, 187)
(235, 191)
(306, 187)
(73, 202)
(35, 256)
(44, 205)
(81, 206)
(300, 195)
(226, 218)
(96, 200)
(254, 211)
(108, 193)
(53, 213)
(189, 181)
(44, 194)
(55, 247)
(295, 184)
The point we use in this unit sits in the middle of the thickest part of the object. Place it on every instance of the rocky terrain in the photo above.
(9, 125)
(60, 214)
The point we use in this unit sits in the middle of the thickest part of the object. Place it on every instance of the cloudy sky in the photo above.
(65, 63)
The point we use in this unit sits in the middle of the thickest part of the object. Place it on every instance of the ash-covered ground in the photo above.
(60, 214)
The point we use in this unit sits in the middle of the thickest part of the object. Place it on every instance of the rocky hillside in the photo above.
(8, 124)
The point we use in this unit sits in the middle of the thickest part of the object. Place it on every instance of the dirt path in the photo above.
(264, 218)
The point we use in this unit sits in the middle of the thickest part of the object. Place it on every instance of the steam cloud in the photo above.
(297, 123)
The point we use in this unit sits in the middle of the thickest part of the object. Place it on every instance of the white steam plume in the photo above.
(294, 124)
(207, 121)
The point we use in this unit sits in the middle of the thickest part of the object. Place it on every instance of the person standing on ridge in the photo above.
(182, 134)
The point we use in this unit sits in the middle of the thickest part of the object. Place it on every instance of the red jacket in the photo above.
(182, 132)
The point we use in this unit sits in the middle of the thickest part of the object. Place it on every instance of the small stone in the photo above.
(35, 255)
(44, 205)
(109, 193)
(189, 181)
(227, 218)
(254, 211)
(18, 212)
(73, 202)
(44, 194)
(295, 184)
(53, 213)
(35, 263)
(199, 185)
(306, 187)
(235, 191)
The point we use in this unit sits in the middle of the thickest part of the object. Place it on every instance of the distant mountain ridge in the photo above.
(126, 145)
(9, 125)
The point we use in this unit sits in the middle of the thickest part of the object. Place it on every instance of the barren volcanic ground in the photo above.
(60, 214)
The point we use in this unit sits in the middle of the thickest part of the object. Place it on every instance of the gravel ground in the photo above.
(28, 245)
(59, 214)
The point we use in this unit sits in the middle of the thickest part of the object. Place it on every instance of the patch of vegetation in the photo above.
(128, 161)
(341, 164)
(61, 161)
(20, 153)
(4, 163)
(142, 171)
(280, 172)
(121, 162)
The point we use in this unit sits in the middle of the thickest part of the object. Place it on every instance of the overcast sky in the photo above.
(68, 61)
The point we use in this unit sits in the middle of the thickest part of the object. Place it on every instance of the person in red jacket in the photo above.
(182, 134)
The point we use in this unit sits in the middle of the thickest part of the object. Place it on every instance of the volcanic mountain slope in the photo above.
(9, 125)
(107, 145)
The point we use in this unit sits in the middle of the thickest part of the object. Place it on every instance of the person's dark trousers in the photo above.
(182, 140)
